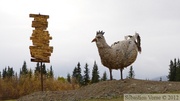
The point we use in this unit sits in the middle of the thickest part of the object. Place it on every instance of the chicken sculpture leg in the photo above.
(120, 54)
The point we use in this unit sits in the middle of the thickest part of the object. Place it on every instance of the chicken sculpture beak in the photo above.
(94, 40)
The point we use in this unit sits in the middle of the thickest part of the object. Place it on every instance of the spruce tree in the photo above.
(37, 68)
(10, 72)
(86, 75)
(77, 74)
(68, 78)
(172, 70)
(95, 73)
(4, 74)
(131, 72)
(74, 73)
(51, 74)
(24, 70)
(104, 77)
(178, 71)
(44, 69)
(175, 69)
(30, 73)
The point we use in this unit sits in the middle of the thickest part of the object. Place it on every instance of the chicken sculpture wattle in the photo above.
(119, 55)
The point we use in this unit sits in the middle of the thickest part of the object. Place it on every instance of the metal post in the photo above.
(41, 77)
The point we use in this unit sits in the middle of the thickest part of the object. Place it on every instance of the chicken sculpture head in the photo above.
(99, 39)
(120, 54)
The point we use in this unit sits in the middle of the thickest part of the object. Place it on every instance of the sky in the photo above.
(73, 24)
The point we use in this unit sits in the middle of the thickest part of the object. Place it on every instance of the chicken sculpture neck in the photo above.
(119, 55)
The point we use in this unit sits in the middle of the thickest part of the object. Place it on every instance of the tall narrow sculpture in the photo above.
(40, 51)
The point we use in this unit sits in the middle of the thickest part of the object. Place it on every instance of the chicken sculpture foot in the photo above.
(119, 55)
(121, 74)
(110, 71)
(121, 71)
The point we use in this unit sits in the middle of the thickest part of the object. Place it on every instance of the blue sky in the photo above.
(73, 24)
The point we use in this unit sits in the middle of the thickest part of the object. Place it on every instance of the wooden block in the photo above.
(38, 24)
(39, 60)
(39, 15)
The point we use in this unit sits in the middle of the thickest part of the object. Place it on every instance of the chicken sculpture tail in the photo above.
(138, 43)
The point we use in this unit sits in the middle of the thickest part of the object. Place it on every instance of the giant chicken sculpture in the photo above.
(120, 54)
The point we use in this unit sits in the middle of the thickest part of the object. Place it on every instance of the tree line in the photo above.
(14, 85)
(174, 70)
(84, 79)
(8, 72)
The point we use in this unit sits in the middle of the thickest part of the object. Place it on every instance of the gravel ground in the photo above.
(106, 89)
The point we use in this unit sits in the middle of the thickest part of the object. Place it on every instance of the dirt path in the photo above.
(106, 89)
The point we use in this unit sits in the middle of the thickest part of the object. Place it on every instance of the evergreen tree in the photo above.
(86, 75)
(175, 69)
(37, 68)
(172, 71)
(44, 69)
(170, 76)
(10, 72)
(30, 73)
(74, 73)
(131, 72)
(178, 71)
(95, 73)
(77, 74)
(104, 77)
(4, 74)
(68, 78)
(24, 69)
(51, 72)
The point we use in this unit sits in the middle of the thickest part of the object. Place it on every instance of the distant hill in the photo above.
(163, 78)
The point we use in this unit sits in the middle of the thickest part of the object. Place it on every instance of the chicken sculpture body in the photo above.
(120, 54)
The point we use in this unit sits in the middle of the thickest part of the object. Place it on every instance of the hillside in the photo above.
(106, 89)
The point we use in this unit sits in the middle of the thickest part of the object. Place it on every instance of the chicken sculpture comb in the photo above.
(100, 32)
